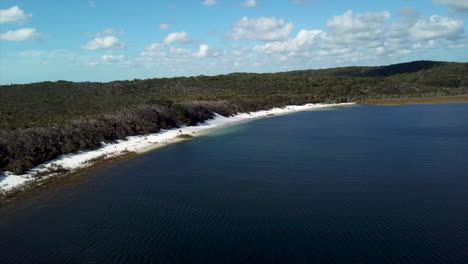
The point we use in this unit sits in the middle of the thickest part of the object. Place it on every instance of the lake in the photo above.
(362, 184)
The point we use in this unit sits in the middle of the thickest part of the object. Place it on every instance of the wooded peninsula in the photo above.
(41, 121)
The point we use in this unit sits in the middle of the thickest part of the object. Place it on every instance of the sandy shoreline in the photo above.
(454, 99)
(140, 144)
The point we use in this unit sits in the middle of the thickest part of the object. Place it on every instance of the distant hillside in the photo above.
(40, 121)
(378, 71)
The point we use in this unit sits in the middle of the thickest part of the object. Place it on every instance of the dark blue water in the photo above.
(365, 184)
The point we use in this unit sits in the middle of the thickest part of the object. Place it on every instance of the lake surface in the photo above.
(364, 184)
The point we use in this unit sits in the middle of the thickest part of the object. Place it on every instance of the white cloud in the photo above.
(177, 37)
(456, 5)
(112, 58)
(303, 41)
(109, 32)
(98, 43)
(13, 15)
(366, 27)
(154, 47)
(23, 34)
(153, 50)
(163, 54)
(179, 51)
(260, 29)
(397, 39)
(437, 27)
(209, 2)
(360, 38)
(250, 3)
(460, 43)
(204, 51)
(163, 26)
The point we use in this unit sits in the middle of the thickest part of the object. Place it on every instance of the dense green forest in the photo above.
(41, 121)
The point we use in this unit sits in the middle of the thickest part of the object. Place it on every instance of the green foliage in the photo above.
(181, 114)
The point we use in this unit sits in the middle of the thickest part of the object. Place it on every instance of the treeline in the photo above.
(41, 121)
(379, 71)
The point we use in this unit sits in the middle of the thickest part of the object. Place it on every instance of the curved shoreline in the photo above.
(11, 185)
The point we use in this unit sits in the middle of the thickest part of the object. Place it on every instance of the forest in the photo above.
(40, 121)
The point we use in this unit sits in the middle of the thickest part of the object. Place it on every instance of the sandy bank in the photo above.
(455, 99)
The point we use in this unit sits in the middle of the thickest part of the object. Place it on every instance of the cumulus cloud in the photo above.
(358, 38)
(209, 2)
(367, 27)
(99, 43)
(414, 33)
(154, 47)
(109, 32)
(163, 26)
(347, 30)
(250, 3)
(303, 40)
(163, 53)
(177, 37)
(153, 50)
(437, 27)
(112, 58)
(204, 51)
(397, 39)
(23, 34)
(456, 5)
(260, 29)
(179, 51)
(13, 15)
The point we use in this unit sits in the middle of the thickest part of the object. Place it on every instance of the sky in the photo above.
(105, 40)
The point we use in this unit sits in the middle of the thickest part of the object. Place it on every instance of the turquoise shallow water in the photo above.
(364, 184)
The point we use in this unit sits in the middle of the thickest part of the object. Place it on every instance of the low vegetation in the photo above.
(41, 121)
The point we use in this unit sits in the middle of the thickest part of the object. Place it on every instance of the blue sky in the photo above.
(103, 40)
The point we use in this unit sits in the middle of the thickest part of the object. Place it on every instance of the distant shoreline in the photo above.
(76, 166)
(456, 99)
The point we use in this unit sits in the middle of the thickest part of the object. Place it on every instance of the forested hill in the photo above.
(40, 121)
(378, 71)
